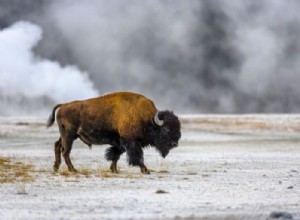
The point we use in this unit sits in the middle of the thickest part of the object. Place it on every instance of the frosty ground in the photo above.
(226, 167)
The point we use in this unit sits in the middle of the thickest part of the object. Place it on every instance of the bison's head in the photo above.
(165, 131)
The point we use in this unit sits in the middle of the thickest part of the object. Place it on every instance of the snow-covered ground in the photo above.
(226, 167)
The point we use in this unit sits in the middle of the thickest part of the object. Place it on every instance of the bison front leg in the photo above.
(135, 155)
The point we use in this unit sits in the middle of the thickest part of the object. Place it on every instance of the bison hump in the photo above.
(133, 115)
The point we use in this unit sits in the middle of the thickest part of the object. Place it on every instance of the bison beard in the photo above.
(126, 121)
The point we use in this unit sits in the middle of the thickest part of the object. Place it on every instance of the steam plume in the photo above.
(209, 56)
(28, 79)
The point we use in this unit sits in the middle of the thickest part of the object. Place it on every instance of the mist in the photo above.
(29, 83)
(212, 56)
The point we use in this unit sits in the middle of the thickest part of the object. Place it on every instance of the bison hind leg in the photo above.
(67, 141)
(57, 151)
(113, 154)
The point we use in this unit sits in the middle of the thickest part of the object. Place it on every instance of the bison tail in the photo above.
(52, 116)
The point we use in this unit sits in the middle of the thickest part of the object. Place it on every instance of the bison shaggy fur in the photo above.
(126, 121)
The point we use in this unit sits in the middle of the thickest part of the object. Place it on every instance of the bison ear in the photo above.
(158, 119)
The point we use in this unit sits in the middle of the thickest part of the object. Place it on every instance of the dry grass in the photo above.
(86, 172)
(163, 171)
(13, 171)
(65, 173)
(106, 173)
(242, 123)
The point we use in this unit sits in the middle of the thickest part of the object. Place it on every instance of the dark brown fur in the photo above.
(123, 119)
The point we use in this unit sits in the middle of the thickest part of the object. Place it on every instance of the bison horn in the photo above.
(157, 120)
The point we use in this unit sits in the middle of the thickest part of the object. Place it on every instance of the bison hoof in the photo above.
(114, 170)
(55, 169)
(144, 170)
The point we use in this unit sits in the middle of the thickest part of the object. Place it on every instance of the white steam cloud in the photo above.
(25, 77)
(209, 56)
(193, 56)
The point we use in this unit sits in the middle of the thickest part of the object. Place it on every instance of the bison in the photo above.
(127, 121)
